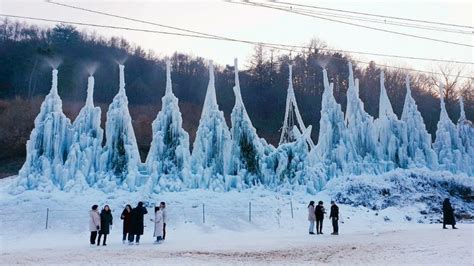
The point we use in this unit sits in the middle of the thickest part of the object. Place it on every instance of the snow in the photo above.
(168, 158)
(227, 236)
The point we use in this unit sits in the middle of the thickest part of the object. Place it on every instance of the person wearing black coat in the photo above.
(319, 212)
(334, 216)
(105, 224)
(448, 214)
(126, 217)
(136, 225)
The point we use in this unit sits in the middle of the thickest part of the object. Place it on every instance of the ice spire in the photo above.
(360, 124)
(168, 158)
(247, 148)
(211, 147)
(82, 166)
(333, 149)
(292, 112)
(169, 89)
(120, 159)
(466, 135)
(448, 145)
(419, 149)
(90, 91)
(122, 79)
(48, 146)
(391, 132)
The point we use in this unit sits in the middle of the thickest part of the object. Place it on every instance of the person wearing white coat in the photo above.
(94, 223)
(158, 225)
(311, 217)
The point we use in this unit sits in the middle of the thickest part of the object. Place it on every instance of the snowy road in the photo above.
(421, 244)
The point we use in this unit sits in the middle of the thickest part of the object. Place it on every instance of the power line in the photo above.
(352, 24)
(377, 15)
(279, 47)
(271, 45)
(382, 21)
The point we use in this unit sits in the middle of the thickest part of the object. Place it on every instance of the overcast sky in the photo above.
(266, 25)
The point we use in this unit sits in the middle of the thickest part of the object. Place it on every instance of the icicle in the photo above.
(122, 79)
(90, 91)
(54, 86)
(168, 78)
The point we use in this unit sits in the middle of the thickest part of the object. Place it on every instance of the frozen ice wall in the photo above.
(419, 151)
(48, 146)
(391, 132)
(248, 150)
(168, 158)
(334, 149)
(211, 148)
(120, 160)
(82, 164)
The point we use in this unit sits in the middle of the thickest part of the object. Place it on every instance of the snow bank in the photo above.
(421, 189)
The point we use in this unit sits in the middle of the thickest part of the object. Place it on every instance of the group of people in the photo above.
(100, 224)
(316, 214)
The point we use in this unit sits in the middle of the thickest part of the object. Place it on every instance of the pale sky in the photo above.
(266, 25)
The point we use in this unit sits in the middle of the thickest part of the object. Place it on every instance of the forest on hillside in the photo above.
(29, 52)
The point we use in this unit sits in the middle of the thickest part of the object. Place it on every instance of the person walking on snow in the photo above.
(158, 225)
(105, 224)
(94, 223)
(448, 214)
(319, 212)
(311, 217)
(334, 216)
(126, 217)
(137, 225)
(165, 217)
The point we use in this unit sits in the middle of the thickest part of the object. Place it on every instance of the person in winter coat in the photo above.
(165, 217)
(448, 214)
(319, 213)
(311, 217)
(94, 223)
(126, 217)
(136, 225)
(158, 225)
(334, 216)
(105, 224)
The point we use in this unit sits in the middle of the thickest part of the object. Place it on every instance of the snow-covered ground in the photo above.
(226, 235)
